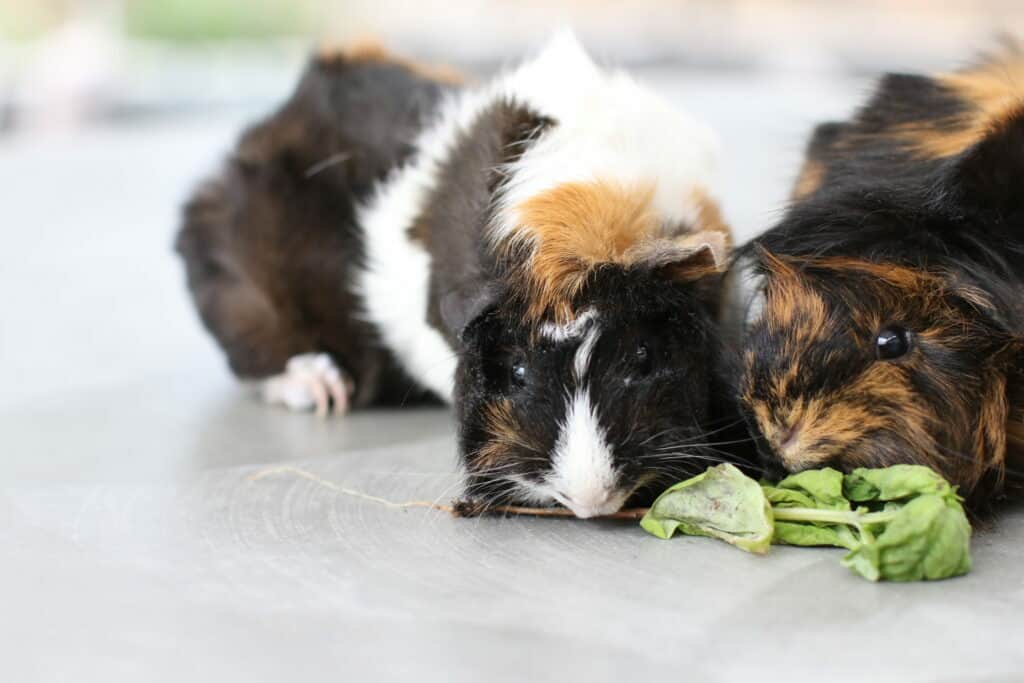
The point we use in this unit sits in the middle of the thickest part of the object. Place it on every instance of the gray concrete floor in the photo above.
(137, 546)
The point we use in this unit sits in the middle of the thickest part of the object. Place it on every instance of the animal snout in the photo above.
(592, 502)
(788, 436)
(794, 440)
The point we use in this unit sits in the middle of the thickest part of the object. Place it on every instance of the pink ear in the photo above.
(687, 257)
(706, 244)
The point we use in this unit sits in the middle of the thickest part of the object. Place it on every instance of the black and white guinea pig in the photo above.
(541, 248)
(887, 324)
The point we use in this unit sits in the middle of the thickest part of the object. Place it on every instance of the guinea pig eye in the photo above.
(518, 372)
(892, 342)
(643, 359)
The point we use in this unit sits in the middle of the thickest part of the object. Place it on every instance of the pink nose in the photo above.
(593, 503)
(790, 435)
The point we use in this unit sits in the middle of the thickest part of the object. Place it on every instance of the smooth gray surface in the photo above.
(139, 547)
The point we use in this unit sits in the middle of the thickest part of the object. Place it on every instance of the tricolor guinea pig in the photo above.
(543, 249)
(886, 310)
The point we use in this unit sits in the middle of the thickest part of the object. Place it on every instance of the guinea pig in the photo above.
(542, 249)
(608, 405)
(884, 314)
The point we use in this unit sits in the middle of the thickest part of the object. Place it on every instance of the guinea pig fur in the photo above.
(543, 249)
(889, 308)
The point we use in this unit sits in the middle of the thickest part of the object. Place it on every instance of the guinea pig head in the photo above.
(852, 363)
(596, 403)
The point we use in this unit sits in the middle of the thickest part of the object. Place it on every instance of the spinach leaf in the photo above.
(722, 503)
(928, 538)
(824, 487)
(792, 533)
(909, 523)
(893, 483)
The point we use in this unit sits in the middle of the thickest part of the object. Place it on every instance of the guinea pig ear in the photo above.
(988, 173)
(464, 306)
(688, 257)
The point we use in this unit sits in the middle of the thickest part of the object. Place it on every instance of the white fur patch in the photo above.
(608, 127)
(570, 330)
(583, 476)
(394, 283)
(581, 360)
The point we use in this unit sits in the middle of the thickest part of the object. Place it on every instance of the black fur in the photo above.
(271, 243)
(959, 218)
(658, 414)
(455, 216)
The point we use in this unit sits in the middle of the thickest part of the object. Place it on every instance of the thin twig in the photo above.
(456, 509)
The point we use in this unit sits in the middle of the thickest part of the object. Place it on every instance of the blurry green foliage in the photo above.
(172, 20)
(176, 20)
(208, 20)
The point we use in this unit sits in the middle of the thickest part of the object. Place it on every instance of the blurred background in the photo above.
(72, 62)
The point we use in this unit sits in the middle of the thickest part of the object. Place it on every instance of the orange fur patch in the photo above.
(994, 92)
(829, 426)
(505, 437)
(790, 303)
(890, 273)
(374, 51)
(812, 175)
(991, 436)
(576, 227)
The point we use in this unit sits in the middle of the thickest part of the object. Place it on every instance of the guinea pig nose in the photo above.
(593, 503)
(790, 435)
(590, 498)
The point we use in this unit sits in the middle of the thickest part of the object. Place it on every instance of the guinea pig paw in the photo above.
(311, 381)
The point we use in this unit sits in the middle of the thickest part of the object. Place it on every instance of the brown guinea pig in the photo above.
(885, 318)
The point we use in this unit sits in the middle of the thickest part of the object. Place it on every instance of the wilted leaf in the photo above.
(722, 503)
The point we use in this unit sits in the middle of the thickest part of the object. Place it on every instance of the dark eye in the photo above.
(892, 342)
(643, 359)
(518, 372)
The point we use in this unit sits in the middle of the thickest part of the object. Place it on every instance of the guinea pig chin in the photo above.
(583, 475)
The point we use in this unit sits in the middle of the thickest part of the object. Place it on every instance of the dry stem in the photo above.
(456, 509)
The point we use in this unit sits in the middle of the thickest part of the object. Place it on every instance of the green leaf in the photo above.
(721, 503)
(928, 538)
(823, 487)
(908, 523)
(863, 560)
(893, 483)
(786, 498)
(795, 533)
(811, 489)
